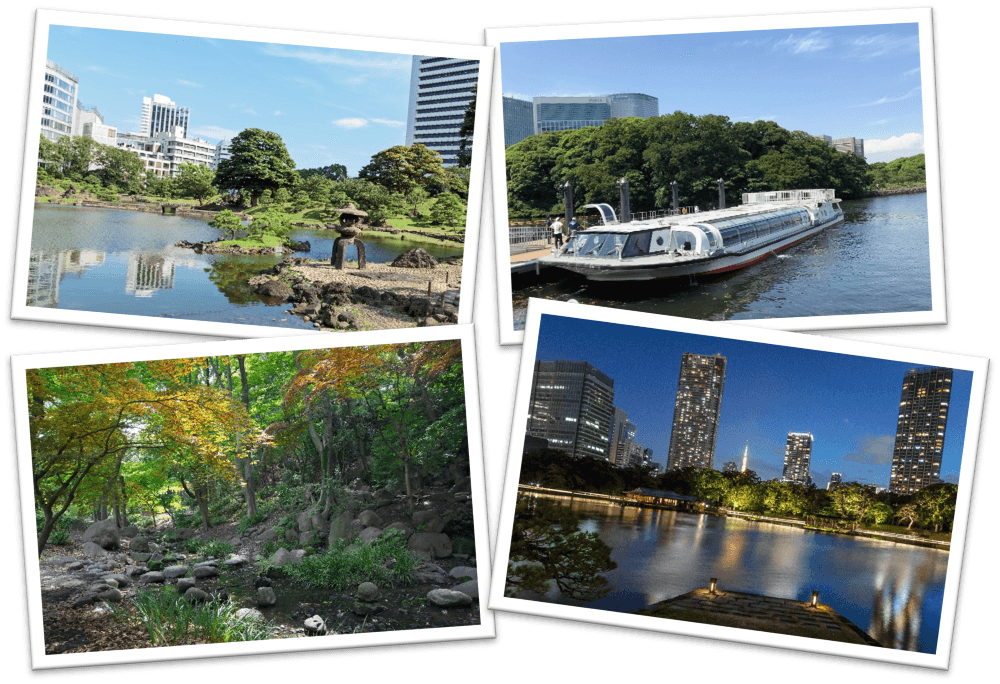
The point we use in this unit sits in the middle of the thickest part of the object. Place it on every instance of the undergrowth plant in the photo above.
(386, 562)
(172, 620)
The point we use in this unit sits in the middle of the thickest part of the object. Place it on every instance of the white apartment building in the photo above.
(221, 153)
(183, 150)
(441, 90)
(58, 101)
(89, 123)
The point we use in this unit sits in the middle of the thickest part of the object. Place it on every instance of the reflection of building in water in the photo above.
(147, 273)
(47, 269)
(897, 607)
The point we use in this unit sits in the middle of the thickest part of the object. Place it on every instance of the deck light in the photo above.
(711, 584)
(815, 599)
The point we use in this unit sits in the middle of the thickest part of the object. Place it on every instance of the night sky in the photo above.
(849, 403)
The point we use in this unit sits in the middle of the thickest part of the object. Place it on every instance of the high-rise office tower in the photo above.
(696, 411)
(517, 120)
(160, 113)
(441, 90)
(621, 431)
(835, 480)
(572, 113)
(798, 452)
(571, 406)
(58, 101)
(923, 416)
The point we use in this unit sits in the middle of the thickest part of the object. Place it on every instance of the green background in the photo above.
(536, 653)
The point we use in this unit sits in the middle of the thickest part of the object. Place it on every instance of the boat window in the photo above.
(598, 244)
(638, 244)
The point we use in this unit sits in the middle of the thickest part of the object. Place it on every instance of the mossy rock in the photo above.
(463, 545)
(154, 565)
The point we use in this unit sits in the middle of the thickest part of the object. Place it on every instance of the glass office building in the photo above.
(696, 411)
(160, 113)
(441, 91)
(517, 120)
(58, 101)
(571, 406)
(572, 113)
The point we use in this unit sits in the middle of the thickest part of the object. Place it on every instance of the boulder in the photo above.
(415, 258)
(152, 577)
(196, 594)
(268, 535)
(75, 565)
(384, 496)
(370, 519)
(128, 531)
(291, 536)
(235, 561)
(118, 579)
(93, 549)
(249, 614)
(203, 571)
(434, 545)
(463, 484)
(266, 597)
(175, 571)
(464, 571)
(429, 573)
(368, 592)
(428, 521)
(275, 289)
(184, 584)
(471, 588)
(340, 528)
(315, 626)
(370, 534)
(447, 598)
(104, 533)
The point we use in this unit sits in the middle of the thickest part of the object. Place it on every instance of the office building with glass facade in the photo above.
(696, 411)
(441, 91)
(625, 105)
(572, 113)
(160, 113)
(571, 406)
(58, 101)
(517, 120)
(798, 452)
(923, 417)
(621, 431)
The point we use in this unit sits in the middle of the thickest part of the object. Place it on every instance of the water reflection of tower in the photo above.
(47, 269)
(148, 273)
(897, 607)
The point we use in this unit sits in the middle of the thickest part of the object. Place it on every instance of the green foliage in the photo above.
(904, 172)
(227, 223)
(249, 521)
(217, 548)
(367, 196)
(258, 161)
(466, 130)
(386, 562)
(269, 223)
(447, 210)
(59, 537)
(402, 168)
(547, 546)
(300, 200)
(72, 158)
(334, 172)
(195, 181)
(161, 186)
(936, 505)
(173, 621)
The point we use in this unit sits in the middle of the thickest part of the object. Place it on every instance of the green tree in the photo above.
(300, 200)
(161, 186)
(908, 512)
(547, 545)
(258, 161)
(334, 172)
(270, 222)
(370, 197)
(466, 130)
(196, 181)
(402, 168)
(852, 500)
(227, 223)
(447, 210)
(936, 504)
(416, 198)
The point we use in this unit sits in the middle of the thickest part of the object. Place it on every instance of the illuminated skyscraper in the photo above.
(696, 411)
(621, 431)
(798, 452)
(923, 415)
(571, 406)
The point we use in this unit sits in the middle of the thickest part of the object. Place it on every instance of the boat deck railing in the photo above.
(662, 213)
(788, 196)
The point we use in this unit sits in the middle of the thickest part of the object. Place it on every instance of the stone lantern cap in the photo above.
(352, 210)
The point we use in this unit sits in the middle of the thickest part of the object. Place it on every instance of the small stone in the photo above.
(447, 598)
(204, 571)
(175, 571)
(196, 594)
(368, 592)
(266, 597)
(235, 562)
(464, 571)
(152, 577)
(315, 625)
(184, 584)
(249, 614)
(471, 588)
(75, 565)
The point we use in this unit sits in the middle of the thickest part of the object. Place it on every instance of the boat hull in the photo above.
(619, 271)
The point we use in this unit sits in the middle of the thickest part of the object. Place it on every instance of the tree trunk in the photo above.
(245, 465)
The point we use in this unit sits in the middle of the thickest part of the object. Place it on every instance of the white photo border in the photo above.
(19, 364)
(538, 307)
(922, 17)
(46, 18)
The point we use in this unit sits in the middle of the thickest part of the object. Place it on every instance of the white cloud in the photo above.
(886, 100)
(911, 72)
(342, 57)
(814, 41)
(907, 141)
(883, 44)
(211, 132)
(190, 84)
(249, 110)
(389, 122)
(351, 123)
(277, 112)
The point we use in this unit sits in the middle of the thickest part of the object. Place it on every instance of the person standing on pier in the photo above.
(557, 233)
(548, 231)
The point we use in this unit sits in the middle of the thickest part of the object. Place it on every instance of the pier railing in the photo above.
(528, 238)
(662, 213)
(789, 196)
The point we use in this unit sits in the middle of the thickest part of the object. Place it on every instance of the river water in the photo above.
(125, 262)
(892, 591)
(876, 261)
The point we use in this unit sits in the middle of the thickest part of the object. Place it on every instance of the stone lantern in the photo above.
(349, 229)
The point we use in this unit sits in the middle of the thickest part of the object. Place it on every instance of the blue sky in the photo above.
(861, 81)
(328, 105)
(849, 403)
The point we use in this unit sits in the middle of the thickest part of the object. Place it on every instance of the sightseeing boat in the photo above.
(692, 242)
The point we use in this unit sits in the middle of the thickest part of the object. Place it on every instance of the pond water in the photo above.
(876, 261)
(125, 262)
(892, 591)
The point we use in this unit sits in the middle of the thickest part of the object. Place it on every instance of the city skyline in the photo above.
(861, 81)
(330, 106)
(770, 391)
